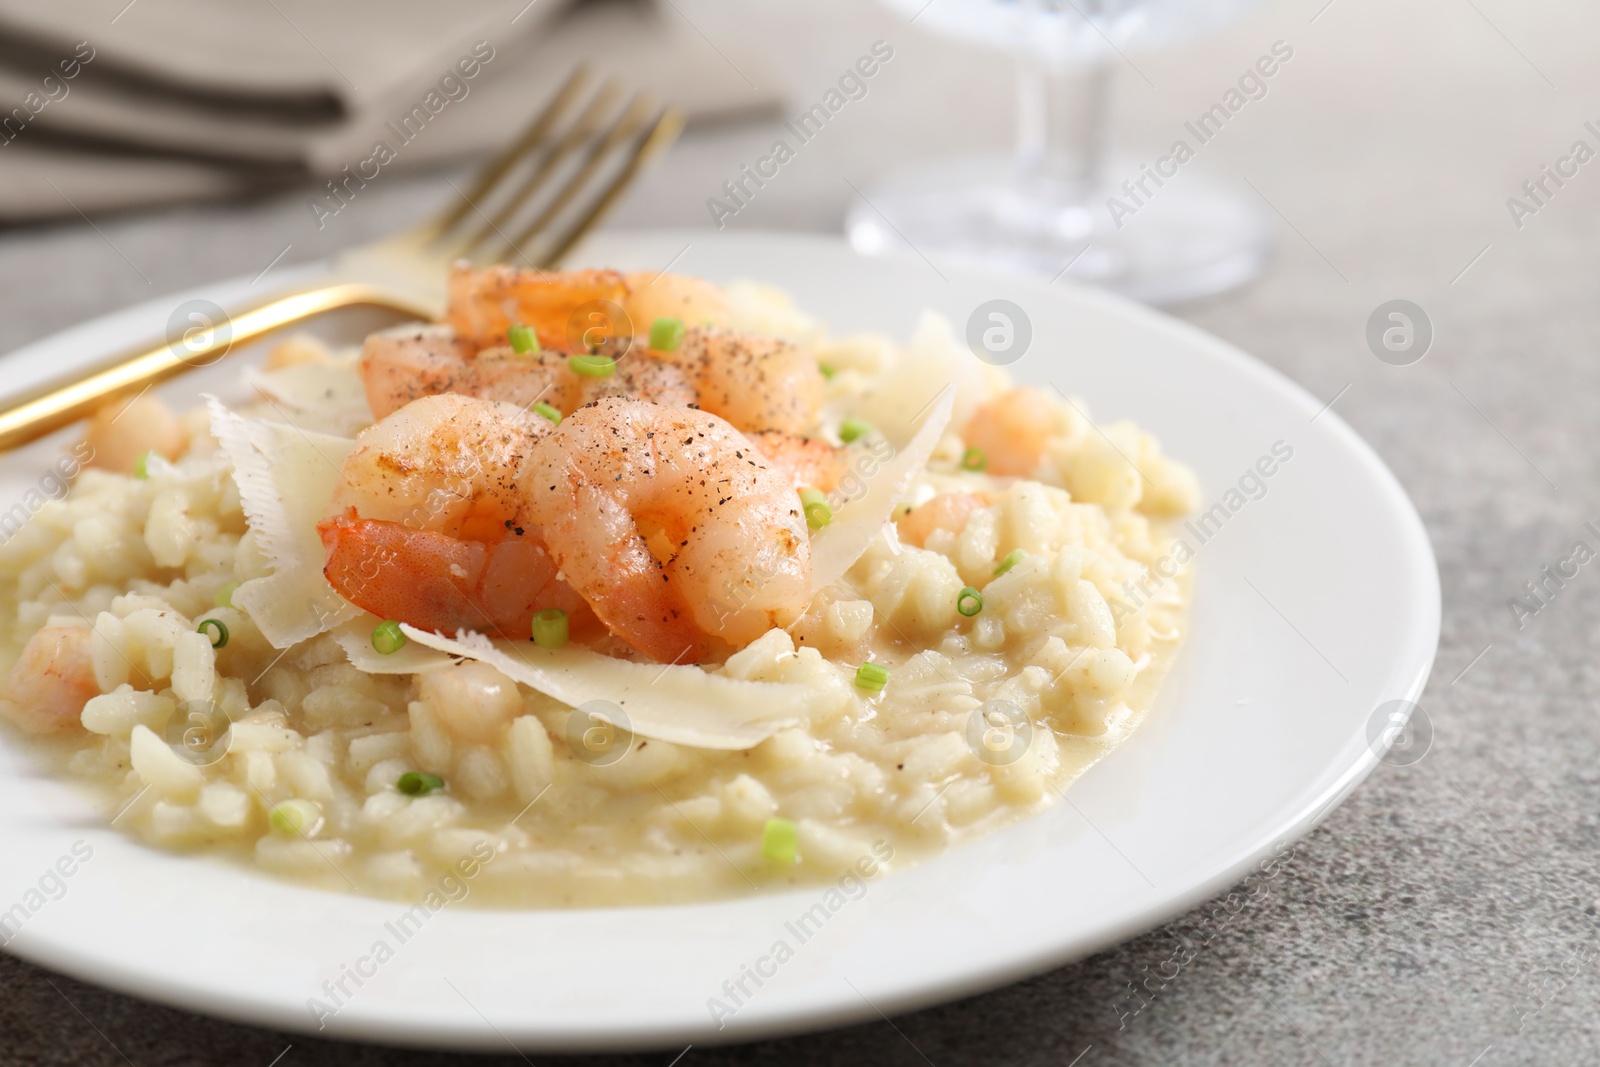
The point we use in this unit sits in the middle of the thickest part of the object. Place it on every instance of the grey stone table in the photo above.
(1444, 914)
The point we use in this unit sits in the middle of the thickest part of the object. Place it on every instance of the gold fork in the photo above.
(545, 173)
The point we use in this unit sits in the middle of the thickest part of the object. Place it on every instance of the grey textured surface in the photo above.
(1443, 915)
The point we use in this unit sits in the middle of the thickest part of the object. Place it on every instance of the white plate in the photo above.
(1314, 605)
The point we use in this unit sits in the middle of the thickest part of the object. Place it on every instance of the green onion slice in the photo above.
(548, 412)
(550, 628)
(218, 634)
(969, 601)
(224, 597)
(872, 677)
(523, 339)
(592, 366)
(818, 511)
(419, 783)
(294, 817)
(853, 429)
(1013, 558)
(974, 459)
(780, 840)
(666, 334)
(388, 638)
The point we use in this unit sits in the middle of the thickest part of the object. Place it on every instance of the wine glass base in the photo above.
(1190, 238)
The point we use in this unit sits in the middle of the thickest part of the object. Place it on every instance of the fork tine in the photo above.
(583, 127)
(386, 273)
(666, 129)
(496, 170)
(628, 125)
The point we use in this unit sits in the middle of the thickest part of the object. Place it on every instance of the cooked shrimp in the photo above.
(438, 582)
(1013, 429)
(123, 430)
(695, 301)
(633, 377)
(450, 464)
(811, 463)
(679, 535)
(51, 682)
(759, 384)
(429, 522)
(405, 363)
(483, 304)
(756, 383)
(947, 511)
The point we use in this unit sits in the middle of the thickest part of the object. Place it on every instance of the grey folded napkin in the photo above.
(106, 104)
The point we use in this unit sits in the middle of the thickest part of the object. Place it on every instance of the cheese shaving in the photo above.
(326, 397)
(286, 477)
(836, 547)
(683, 704)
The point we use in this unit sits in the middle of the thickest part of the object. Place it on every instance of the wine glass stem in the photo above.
(1061, 122)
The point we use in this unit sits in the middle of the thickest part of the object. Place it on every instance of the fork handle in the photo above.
(64, 402)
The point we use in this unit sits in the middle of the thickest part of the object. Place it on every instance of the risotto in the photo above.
(935, 604)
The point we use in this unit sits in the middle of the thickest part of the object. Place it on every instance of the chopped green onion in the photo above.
(550, 628)
(853, 428)
(523, 339)
(141, 466)
(969, 601)
(219, 631)
(666, 334)
(388, 638)
(592, 366)
(826, 371)
(974, 459)
(224, 597)
(780, 840)
(1013, 558)
(548, 412)
(419, 783)
(818, 511)
(872, 677)
(295, 817)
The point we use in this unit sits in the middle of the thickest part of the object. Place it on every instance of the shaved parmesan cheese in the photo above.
(836, 547)
(286, 477)
(935, 356)
(682, 704)
(326, 397)
(356, 640)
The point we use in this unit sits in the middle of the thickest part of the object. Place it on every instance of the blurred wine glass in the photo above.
(1045, 210)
